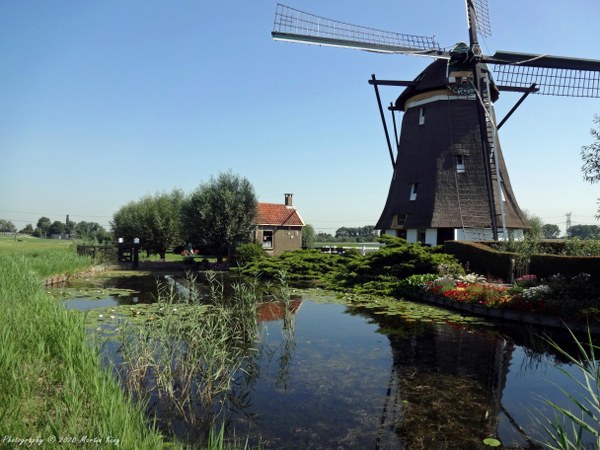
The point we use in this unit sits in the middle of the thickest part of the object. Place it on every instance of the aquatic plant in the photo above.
(187, 356)
(566, 430)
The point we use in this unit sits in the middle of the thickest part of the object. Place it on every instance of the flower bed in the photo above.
(558, 297)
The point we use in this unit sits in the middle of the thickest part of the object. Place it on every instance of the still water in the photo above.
(340, 378)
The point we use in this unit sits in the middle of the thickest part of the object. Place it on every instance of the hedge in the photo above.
(480, 258)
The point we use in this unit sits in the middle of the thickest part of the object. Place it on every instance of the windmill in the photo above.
(450, 180)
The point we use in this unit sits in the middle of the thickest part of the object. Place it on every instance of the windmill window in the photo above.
(413, 191)
(399, 221)
(421, 116)
(460, 163)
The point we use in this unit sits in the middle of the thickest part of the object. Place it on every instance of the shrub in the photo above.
(400, 259)
(415, 284)
(249, 252)
(305, 266)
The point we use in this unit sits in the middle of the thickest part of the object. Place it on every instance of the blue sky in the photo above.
(106, 101)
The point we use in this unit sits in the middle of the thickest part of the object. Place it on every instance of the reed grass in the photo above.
(53, 388)
(567, 429)
(184, 364)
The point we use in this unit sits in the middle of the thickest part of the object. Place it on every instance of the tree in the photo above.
(57, 227)
(368, 231)
(550, 231)
(27, 230)
(590, 155)
(346, 232)
(359, 234)
(324, 237)
(69, 226)
(220, 213)
(584, 232)
(308, 236)
(43, 224)
(6, 226)
(91, 231)
(155, 220)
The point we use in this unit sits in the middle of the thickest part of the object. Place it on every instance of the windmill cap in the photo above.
(433, 78)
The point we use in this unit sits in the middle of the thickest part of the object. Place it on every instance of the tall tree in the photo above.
(220, 213)
(308, 236)
(155, 220)
(590, 155)
(44, 224)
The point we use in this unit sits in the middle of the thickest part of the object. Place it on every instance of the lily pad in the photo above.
(92, 293)
(492, 442)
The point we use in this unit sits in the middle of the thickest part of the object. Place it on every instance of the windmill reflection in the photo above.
(445, 385)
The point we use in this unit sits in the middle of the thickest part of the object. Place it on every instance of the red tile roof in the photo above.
(277, 214)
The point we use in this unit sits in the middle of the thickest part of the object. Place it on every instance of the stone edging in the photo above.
(511, 314)
(63, 277)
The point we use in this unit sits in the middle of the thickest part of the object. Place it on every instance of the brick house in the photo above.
(278, 227)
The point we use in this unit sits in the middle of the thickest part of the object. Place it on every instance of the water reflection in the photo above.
(285, 313)
(449, 383)
(329, 376)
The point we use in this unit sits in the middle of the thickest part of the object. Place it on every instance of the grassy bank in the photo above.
(53, 388)
(44, 256)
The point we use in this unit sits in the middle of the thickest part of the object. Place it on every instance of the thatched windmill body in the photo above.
(450, 180)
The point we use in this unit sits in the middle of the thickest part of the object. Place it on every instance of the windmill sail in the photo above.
(298, 26)
(482, 17)
(553, 75)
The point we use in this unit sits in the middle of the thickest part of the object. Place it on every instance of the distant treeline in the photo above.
(367, 233)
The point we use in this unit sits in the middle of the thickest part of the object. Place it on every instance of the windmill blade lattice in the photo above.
(482, 17)
(297, 26)
(553, 75)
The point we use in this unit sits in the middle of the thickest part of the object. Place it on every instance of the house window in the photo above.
(267, 239)
(421, 236)
(460, 163)
(421, 116)
(413, 191)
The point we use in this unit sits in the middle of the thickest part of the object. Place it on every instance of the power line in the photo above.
(53, 214)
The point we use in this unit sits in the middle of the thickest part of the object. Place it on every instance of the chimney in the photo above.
(288, 200)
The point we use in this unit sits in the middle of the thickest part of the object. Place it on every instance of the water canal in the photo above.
(333, 376)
